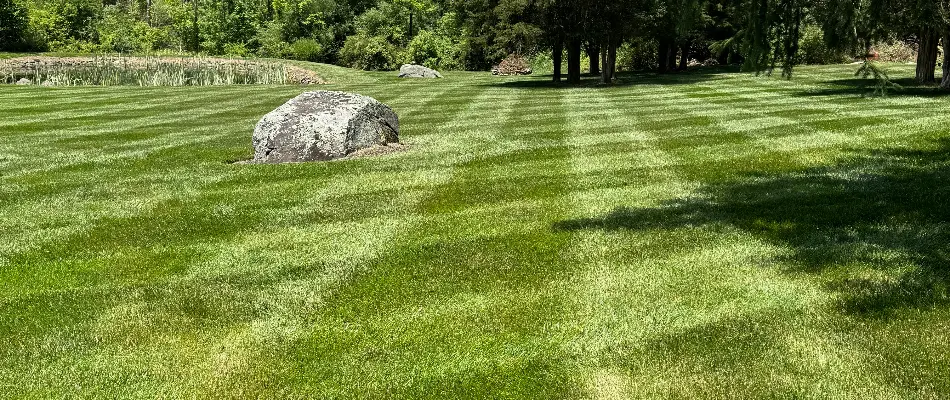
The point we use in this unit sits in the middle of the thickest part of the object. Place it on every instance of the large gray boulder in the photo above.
(417, 71)
(24, 81)
(323, 125)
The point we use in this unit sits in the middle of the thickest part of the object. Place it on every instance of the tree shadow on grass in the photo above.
(865, 87)
(697, 75)
(876, 228)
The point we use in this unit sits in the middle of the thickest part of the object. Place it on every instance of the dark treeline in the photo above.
(596, 36)
(771, 37)
(381, 34)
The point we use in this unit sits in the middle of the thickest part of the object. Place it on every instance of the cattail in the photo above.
(115, 70)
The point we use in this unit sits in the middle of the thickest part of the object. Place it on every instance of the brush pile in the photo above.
(512, 65)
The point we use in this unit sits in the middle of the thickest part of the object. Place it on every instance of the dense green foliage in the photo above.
(366, 34)
(13, 25)
(697, 235)
(382, 34)
(813, 49)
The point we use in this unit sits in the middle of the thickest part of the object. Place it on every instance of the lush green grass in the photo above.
(705, 235)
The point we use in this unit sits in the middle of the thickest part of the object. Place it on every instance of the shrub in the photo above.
(306, 50)
(121, 32)
(813, 50)
(386, 21)
(452, 42)
(369, 53)
(451, 55)
(236, 50)
(48, 29)
(425, 49)
(225, 23)
(270, 41)
(542, 62)
(60, 24)
(639, 54)
(80, 46)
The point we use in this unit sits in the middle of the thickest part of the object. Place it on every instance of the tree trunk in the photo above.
(609, 61)
(662, 55)
(684, 58)
(927, 56)
(593, 53)
(574, 61)
(410, 24)
(671, 53)
(945, 83)
(611, 64)
(556, 54)
(196, 45)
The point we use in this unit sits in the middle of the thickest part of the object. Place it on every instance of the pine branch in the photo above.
(882, 82)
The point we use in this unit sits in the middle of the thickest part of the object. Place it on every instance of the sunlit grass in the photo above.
(702, 235)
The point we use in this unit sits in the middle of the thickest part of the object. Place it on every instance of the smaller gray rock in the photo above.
(48, 83)
(417, 71)
(24, 81)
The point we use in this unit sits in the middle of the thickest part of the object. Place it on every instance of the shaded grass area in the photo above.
(880, 213)
(700, 235)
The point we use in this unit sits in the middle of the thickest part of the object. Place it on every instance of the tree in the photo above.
(770, 35)
(494, 29)
(918, 19)
(609, 25)
(563, 24)
(945, 81)
(675, 24)
(13, 23)
(412, 8)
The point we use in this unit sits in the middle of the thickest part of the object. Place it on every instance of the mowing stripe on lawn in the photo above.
(672, 236)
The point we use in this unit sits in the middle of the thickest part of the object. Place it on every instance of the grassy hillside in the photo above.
(703, 235)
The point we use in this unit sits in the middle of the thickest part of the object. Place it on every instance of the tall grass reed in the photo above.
(105, 70)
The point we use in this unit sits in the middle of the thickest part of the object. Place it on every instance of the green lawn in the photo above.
(702, 235)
